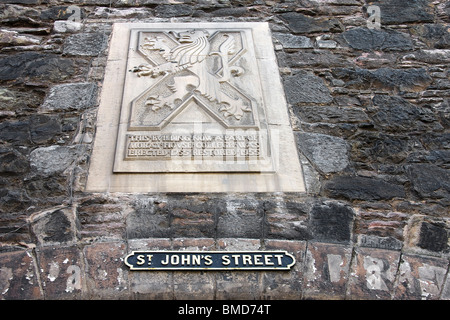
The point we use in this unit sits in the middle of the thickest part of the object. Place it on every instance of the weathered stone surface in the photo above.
(155, 284)
(229, 284)
(281, 286)
(420, 278)
(36, 66)
(331, 221)
(287, 220)
(326, 271)
(53, 159)
(293, 42)
(315, 114)
(62, 272)
(72, 96)
(396, 114)
(44, 129)
(435, 35)
(18, 280)
(373, 39)
(373, 274)
(106, 273)
(304, 87)
(362, 188)
(169, 11)
(299, 23)
(429, 181)
(12, 161)
(425, 233)
(54, 226)
(409, 80)
(328, 154)
(85, 44)
(243, 219)
(398, 11)
(15, 132)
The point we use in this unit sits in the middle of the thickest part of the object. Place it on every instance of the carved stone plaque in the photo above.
(193, 107)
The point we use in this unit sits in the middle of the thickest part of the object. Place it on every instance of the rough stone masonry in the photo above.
(370, 109)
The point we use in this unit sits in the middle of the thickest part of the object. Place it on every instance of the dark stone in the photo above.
(429, 181)
(12, 161)
(326, 153)
(315, 114)
(396, 114)
(304, 87)
(371, 39)
(195, 218)
(380, 148)
(148, 221)
(299, 23)
(415, 79)
(287, 222)
(318, 58)
(44, 128)
(71, 96)
(36, 66)
(175, 10)
(400, 11)
(331, 222)
(433, 237)
(58, 228)
(15, 132)
(243, 219)
(434, 35)
(85, 44)
(59, 13)
(362, 188)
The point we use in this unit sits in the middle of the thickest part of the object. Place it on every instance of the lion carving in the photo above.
(191, 53)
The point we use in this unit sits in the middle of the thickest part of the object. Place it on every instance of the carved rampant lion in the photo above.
(191, 53)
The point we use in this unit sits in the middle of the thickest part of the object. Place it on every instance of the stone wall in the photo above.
(370, 111)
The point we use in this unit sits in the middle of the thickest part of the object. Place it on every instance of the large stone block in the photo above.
(372, 274)
(326, 271)
(18, 280)
(62, 272)
(420, 278)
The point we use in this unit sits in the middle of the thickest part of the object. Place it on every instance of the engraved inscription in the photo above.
(225, 147)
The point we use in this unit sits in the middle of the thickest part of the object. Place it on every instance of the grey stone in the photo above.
(434, 35)
(72, 96)
(327, 153)
(396, 114)
(305, 87)
(429, 181)
(409, 80)
(362, 188)
(399, 11)
(331, 221)
(12, 161)
(36, 66)
(44, 128)
(315, 114)
(148, 222)
(16, 132)
(54, 159)
(55, 225)
(290, 41)
(379, 242)
(299, 23)
(243, 219)
(170, 11)
(373, 39)
(85, 44)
